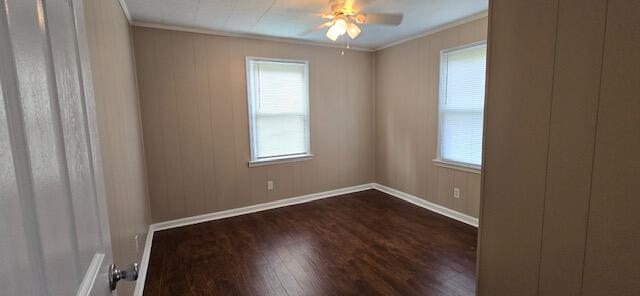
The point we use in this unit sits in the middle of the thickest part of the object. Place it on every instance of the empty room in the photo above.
(320, 147)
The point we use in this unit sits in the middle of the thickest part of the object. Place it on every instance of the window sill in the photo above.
(279, 160)
(458, 166)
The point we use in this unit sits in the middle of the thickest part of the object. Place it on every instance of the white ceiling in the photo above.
(290, 18)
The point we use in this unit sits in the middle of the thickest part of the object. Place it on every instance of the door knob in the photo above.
(129, 274)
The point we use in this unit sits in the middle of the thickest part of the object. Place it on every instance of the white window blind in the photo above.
(278, 108)
(462, 81)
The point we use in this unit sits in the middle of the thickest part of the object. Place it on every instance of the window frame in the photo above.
(439, 160)
(260, 161)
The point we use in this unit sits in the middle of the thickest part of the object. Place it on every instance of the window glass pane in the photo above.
(462, 104)
(280, 135)
(461, 137)
(465, 79)
(280, 88)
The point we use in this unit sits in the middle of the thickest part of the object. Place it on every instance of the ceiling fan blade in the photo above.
(307, 32)
(389, 19)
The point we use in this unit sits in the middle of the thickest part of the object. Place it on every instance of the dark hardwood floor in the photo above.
(365, 243)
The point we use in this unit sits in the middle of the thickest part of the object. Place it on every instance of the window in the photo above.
(278, 94)
(461, 106)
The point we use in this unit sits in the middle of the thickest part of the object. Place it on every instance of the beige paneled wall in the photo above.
(406, 112)
(119, 128)
(560, 203)
(194, 113)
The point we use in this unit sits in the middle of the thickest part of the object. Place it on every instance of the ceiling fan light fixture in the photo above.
(338, 29)
(346, 19)
(353, 30)
(340, 26)
(333, 33)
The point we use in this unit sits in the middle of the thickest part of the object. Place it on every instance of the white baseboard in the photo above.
(464, 218)
(283, 203)
(258, 207)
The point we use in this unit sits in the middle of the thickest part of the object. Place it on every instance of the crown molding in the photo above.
(243, 35)
(125, 10)
(436, 30)
(297, 41)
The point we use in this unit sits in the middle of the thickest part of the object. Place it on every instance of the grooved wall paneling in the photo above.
(612, 261)
(561, 169)
(576, 85)
(519, 87)
(406, 90)
(194, 113)
(120, 130)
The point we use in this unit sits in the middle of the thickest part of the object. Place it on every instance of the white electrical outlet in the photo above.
(456, 192)
(270, 185)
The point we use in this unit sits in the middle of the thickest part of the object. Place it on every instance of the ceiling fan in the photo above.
(345, 18)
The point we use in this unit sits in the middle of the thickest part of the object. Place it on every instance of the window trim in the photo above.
(254, 159)
(439, 160)
(470, 168)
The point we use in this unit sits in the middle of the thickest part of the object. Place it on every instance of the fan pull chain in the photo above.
(348, 44)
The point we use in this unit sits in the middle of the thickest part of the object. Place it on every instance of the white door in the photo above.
(54, 235)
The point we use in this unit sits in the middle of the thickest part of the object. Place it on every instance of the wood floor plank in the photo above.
(364, 243)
